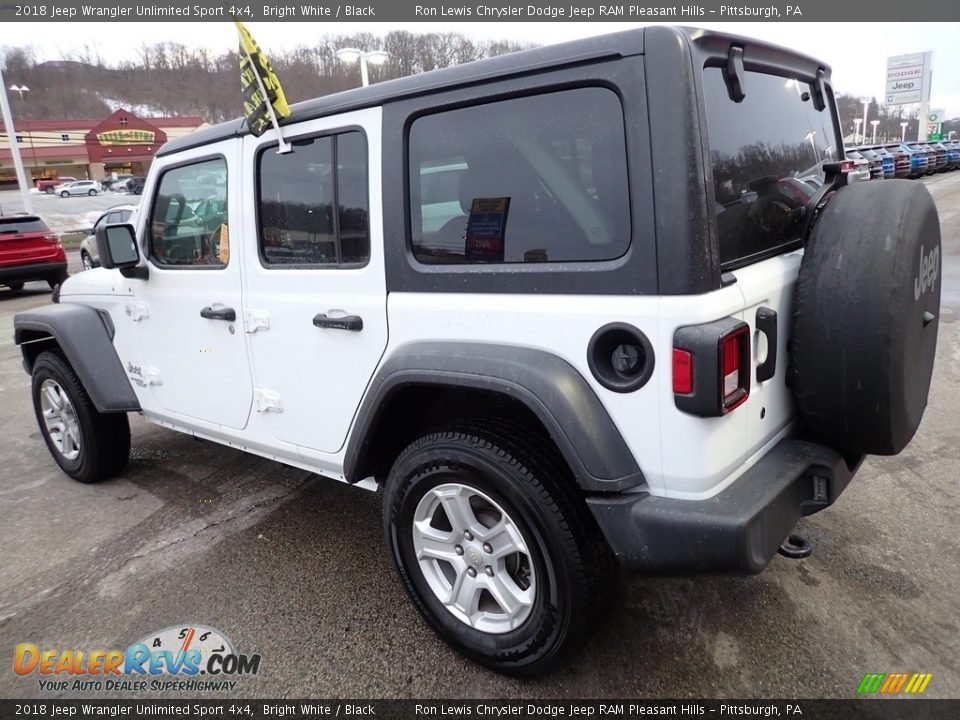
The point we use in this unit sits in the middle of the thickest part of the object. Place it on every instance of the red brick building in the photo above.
(90, 149)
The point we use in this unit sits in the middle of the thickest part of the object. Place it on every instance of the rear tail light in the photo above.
(847, 166)
(682, 371)
(734, 368)
(711, 367)
(51, 237)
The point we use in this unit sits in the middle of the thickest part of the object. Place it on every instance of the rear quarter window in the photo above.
(534, 179)
(766, 154)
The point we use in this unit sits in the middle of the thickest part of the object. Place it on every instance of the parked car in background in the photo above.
(952, 152)
(89, 255)
(109, 183)
(79, 187)
(881, 166)
(135, 185)
(29, 250)
(48, 185)
(918, 159)
(889, 163)
(861, 170)
(901, 160)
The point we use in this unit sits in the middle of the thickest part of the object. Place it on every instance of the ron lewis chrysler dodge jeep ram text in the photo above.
(610, 300)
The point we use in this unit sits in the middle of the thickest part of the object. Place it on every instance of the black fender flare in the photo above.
(548, 385)
(85, 336)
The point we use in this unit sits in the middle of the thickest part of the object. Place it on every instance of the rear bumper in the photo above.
(739, 529)
(33, 271)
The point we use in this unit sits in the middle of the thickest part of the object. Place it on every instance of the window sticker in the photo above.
(486, 228)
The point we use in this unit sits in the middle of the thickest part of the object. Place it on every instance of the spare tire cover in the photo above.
(865, 317)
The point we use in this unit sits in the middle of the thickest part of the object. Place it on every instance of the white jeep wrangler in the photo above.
(610, 300)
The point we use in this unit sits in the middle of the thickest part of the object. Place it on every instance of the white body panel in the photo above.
(208, 378)
(318, 375)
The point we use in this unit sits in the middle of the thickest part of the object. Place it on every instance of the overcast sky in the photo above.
(856, 51)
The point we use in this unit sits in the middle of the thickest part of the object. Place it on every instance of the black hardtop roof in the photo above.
(574, 52)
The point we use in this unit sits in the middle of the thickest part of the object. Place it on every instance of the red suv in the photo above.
(29, 250)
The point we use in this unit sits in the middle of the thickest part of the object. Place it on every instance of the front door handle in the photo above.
(354, 323)
(219, 312)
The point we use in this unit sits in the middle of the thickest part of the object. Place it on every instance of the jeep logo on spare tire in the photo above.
(927, 275)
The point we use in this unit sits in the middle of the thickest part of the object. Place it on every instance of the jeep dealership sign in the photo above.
(908, 79)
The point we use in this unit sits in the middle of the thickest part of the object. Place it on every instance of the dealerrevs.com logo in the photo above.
(188, 658)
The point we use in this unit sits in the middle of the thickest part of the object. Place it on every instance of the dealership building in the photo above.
(90, 149)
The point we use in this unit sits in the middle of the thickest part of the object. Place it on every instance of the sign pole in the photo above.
(925, 98)
(14, 147)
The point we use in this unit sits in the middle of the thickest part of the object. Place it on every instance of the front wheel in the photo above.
(64, 194)
(49, 191)
(495, 547)
(15, 286)
(92, 193)
(89, 446)
(87, 262)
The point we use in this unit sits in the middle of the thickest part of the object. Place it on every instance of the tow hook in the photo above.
(796, 547)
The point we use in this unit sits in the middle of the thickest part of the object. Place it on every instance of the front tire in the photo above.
(64, 194)
(15, 286)
(92, 193)
(87, 262)
(495, 547)
(89, 446)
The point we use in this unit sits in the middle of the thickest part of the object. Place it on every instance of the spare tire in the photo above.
(865, 317)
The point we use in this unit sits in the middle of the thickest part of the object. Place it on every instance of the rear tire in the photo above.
(498, 480)
(89, 446)
(57, 279)
(49, 191)
(16, 286)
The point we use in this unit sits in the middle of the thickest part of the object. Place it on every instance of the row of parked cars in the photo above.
(905, 159)
(67, 186)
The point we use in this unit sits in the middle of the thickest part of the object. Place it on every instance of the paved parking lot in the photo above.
(65, 214)
(293, 567)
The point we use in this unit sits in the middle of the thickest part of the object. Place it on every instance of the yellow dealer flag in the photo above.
(263, 99)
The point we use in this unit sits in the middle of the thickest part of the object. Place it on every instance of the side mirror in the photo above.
(117, 247)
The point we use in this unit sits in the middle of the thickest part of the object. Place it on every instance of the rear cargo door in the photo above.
(767, 154)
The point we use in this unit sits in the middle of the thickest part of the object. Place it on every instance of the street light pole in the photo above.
(874, 123)
(21, 89)
(856, 129)
(903, 131)
(14, 146)
(373, 57)
(866, 107)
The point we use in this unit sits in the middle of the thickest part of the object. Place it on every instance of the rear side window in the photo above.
(15, 225)
(188, 220)
(767, 154)
(527, 180)
(313, 208)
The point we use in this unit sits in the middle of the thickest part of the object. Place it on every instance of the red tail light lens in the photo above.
(734, 367)
(682, 371)
(52, 237)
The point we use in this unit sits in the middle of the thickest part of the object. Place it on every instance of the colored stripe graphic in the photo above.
(894, 683)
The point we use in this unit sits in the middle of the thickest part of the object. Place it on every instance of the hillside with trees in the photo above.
(170, 78)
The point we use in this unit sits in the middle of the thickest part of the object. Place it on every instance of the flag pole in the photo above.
(282, 145)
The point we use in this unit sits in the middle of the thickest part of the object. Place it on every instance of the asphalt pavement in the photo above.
(293, 567)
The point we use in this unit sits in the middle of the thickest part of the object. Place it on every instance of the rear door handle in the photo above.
(353, 323)
(219, 312)
(767, 324)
